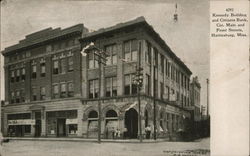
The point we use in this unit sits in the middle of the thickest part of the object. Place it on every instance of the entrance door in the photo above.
(131, 123)
(61, 127)
(38, 128)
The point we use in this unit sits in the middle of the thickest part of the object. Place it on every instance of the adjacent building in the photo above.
(195, 89)
(52, 90)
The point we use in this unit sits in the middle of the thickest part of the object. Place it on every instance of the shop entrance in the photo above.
(61, 127)
(131, 123)
(38, 128)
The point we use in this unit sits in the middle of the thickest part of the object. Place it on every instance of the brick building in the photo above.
(51, 89)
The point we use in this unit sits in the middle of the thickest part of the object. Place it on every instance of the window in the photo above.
(34, 95)
(48, 48)
(112, 54)
(33, 75)
(129, 86)
(17, 75)
(111, 86)
(92, 61)
(12, 76)
(167, 92)
(12, 97)
(148, 53)
(42, 66)
(93, 89)
(156, 88)
(156, 57)
(42, 93)
(22, 95)
(162, 90)
(55, 67)
(70, 64)
(162, 64)
(63, 90)
(56, 91)
(131, 50)
(23, 74)
(63, 65)
(148, 85)
(70, 89)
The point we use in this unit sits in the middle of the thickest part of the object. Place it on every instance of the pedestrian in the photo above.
(148, 131)
(118, 133)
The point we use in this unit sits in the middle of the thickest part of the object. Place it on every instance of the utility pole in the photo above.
(207, 97)
(101, 58)
(139, 85)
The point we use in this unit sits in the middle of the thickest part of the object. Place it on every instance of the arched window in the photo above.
(93, 114)
(111, 113)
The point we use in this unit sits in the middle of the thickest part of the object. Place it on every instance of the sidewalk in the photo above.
(86, 140)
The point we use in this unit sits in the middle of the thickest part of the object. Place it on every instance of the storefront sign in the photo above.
(22, 122)
(71, 121)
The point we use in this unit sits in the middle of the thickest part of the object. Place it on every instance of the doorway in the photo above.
(61, 127)
(38, 128)
(131, 123)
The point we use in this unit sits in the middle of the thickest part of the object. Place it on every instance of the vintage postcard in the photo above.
(107, 78)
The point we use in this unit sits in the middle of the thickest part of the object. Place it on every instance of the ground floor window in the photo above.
(73, 129)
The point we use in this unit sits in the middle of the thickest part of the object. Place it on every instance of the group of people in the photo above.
(115, 133)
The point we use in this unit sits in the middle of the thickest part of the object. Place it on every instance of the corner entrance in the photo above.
(131, 123)
(61, 127)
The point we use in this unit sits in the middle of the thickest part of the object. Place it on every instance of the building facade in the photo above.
(52, 89)
(195, 89)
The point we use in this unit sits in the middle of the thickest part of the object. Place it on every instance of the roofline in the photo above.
(55, 33)
(137, 21)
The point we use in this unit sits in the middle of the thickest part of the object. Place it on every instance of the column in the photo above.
(43, 123)
(119, 70)
(79, 122)
(32, 126)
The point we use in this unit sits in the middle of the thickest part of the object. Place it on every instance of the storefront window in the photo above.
(73, 129)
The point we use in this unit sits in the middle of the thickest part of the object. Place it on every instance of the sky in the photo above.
(188, 37)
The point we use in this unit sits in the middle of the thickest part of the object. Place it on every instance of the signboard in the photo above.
(71, 121)
(22, 122)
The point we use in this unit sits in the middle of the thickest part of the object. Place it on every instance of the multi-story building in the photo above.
(53, 90)
(195, 106)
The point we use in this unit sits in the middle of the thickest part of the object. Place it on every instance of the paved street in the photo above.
(68, 148)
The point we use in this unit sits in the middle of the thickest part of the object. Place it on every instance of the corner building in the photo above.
(65, 101)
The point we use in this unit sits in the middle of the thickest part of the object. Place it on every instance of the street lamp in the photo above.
(101, 58)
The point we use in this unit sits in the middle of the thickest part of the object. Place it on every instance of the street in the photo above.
(68, 148)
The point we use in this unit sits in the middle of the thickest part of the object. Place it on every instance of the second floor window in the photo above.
(92, 60)
(63, 65)
(42, 65)
(131, 50)
(111, 86)
(55, 91)
(23, 74)
(70, 89)
(63, 90)
(34, 94)
(93, 89)
(167, 92)
(18, 96)
(70, 64)
(17, 75)
(42, 93)
(56, 67)
(22, 95)
(129, 86)
(148, 85)
(112, 54)
(33, 74)
(12, 76)
(12, 97)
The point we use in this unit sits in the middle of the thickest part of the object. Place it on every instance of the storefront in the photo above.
(19, 125)
(62, 123)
